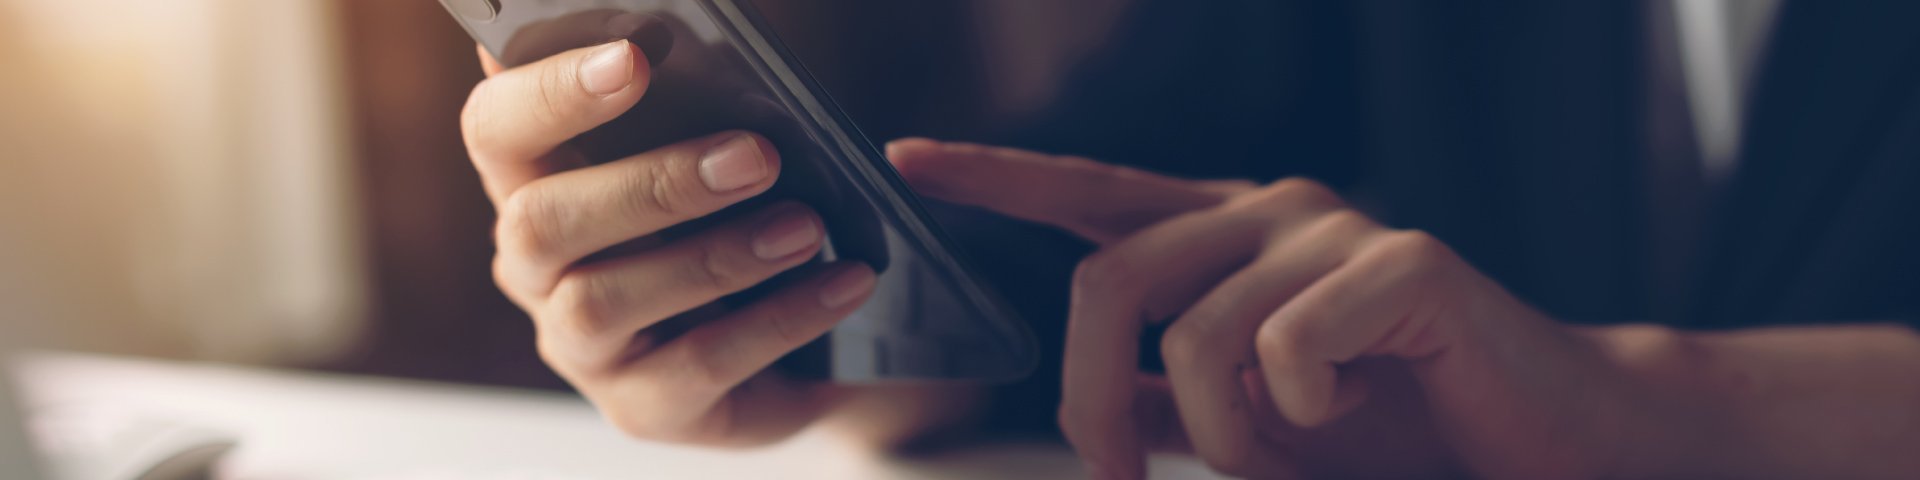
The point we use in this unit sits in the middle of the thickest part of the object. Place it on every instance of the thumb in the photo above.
(1097, 201)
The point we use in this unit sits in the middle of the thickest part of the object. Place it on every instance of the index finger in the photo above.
(1097, 201)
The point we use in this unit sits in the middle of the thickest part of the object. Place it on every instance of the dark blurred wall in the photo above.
(436, 312)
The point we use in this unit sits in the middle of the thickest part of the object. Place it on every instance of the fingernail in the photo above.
(790, 233)
(733, 165)
(609, 69)
(846, 287)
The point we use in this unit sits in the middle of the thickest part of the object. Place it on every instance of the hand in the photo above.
(1287, 307)
(636, 328)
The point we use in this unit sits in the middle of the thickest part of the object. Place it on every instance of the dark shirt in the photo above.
(1520, 134)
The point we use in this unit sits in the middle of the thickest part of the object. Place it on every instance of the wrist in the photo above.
(1667, 412)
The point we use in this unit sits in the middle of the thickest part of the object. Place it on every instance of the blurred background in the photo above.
(180, 179)
(283, 183)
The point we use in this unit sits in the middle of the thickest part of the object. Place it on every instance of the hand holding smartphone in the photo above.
(711, 69)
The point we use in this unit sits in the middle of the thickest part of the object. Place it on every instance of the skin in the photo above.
(1308, 341)
(639, 333)
(1303, 338)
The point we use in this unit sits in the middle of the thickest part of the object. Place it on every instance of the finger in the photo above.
(1161, 426)
(1146, 277)
(1158, 418)
(1368, 306)
(700, 367)
(1096, 201)
(555, 221)
(1207, 351)
(1161, 430)
(488, 64)
(1233, 234)
(596, 309)
(1115, 293)
(1269, 427)
(514, 119)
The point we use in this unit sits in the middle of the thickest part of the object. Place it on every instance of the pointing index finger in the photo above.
(1097, 201)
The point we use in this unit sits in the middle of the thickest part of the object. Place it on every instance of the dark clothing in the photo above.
(1518, 133)
(1514, 130)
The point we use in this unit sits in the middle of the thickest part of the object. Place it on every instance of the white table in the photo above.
(302, 425)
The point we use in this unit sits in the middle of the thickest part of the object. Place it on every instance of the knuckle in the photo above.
(711, 268)
(560, 355)
(529, 224)
(785, 327)
(505, 278)
(1412, 248)
(582, 305)
(502, 276)
(1296, 192)
(1105, 270)
(558, 94)
(1183, 344)
(1280, 340)
(693, 366)
(472, 114)
(660, 191)
(1347, 220)
(1344, 223)
(1412, 256)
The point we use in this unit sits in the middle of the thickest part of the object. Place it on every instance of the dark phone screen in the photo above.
(716, 68)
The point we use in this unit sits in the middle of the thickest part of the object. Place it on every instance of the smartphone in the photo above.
(716, 67)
